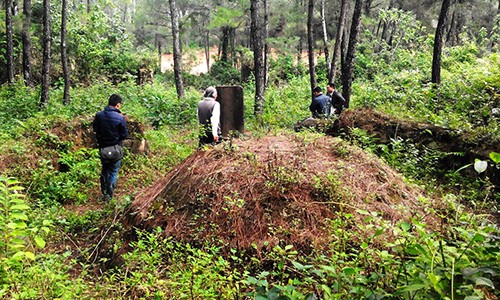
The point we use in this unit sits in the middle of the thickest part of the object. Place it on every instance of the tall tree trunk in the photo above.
(267, 49)
(394, 26)
(225, 44)
(9, 53)
(26, 38)
(207, 47)
(232, 33)
(338, 41)
(325, 39)
(385, 28)
(438, 43)
(257, 56)
(177, 49)
(88, 6)
(46, 37)
(348, 67)
(451, 27)
(310, 44)
(64, 52)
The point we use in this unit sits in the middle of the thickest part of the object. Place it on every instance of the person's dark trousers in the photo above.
(207, 139)
(109, 176)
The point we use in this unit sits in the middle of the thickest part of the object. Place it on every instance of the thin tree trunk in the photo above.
(177, 49)
(64, 53)
(438, 43)
(348, 67)
(338, 41)
(257, 56)
(46, 36)
(207, 48)
(9, 53)
(26, 38)
(393, 32)
(232, 33)
(310, 44)
(267, 49)
(449, 34)
(325, 40)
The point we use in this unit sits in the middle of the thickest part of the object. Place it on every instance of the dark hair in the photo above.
(317, 89)
(114, 100)
(330, 84)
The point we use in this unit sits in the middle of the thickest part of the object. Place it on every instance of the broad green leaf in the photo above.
(30, 255)
(413, 287)
(17, 241)
(18, 255)
(480, 166)
(300, 266)
(406, 226)
(484, 281)
(40, 242)
(12, 225)
(478, 238)
(20, 207)
(19, 216)
(495, 157)
(21, 225)
(349, 271)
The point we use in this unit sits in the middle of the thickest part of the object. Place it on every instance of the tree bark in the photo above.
(225, 44)
(257, 57)
(325, 39)
(438, 43)
(310, 44)
(177, 49)
(207, 47)
(338, 41)
(46, 37)
(267, 49)
(26, 39)
(348, 67)
(64, 52)
(9, 53)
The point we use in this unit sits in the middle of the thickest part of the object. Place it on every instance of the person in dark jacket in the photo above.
(208, 113)
(111, 129)
(319, 103)
(337, 102)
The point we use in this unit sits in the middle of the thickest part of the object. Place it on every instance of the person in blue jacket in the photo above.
(110, 126)
(319, 103)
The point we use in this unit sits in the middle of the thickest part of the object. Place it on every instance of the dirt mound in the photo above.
(453, 149)
(458, 147)
(273, 190)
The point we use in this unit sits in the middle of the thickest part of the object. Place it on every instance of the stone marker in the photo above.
(232, 109)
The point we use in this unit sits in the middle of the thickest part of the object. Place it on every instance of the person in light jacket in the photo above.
(208, 113)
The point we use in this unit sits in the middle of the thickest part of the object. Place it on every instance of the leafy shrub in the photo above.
(18, 238)
(61, 185)
(224, 73)
(284, 68)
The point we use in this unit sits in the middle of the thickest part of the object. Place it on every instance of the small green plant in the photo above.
(18, 238)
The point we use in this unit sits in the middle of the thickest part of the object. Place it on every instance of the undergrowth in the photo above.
(47, 252)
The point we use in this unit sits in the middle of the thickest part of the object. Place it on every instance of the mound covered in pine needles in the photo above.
(283, 189)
